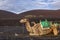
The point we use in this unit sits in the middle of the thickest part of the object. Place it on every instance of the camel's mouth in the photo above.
(20, 21)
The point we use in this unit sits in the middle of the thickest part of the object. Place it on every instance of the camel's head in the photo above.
(23, 20)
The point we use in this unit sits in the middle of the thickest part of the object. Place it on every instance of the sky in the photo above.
(19, 6)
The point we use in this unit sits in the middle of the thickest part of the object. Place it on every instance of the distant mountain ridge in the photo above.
(44, 13)
(7, 15)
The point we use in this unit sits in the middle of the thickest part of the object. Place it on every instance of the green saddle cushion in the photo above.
(45, 24)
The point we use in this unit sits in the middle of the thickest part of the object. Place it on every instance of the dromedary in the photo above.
(36, 29)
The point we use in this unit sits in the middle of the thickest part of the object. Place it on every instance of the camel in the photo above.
(36, 29)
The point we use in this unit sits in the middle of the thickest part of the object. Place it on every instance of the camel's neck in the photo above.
(28, 27)
(27, 24)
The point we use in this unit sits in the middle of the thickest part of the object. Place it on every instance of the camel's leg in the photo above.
(35, 33)
(35, 30)
(55, 31)
(40, 30)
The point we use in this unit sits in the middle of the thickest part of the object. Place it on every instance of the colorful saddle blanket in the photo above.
(45, 24)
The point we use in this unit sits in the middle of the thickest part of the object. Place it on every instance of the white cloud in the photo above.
(56, 5)
(3, 2)
(10, 5)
